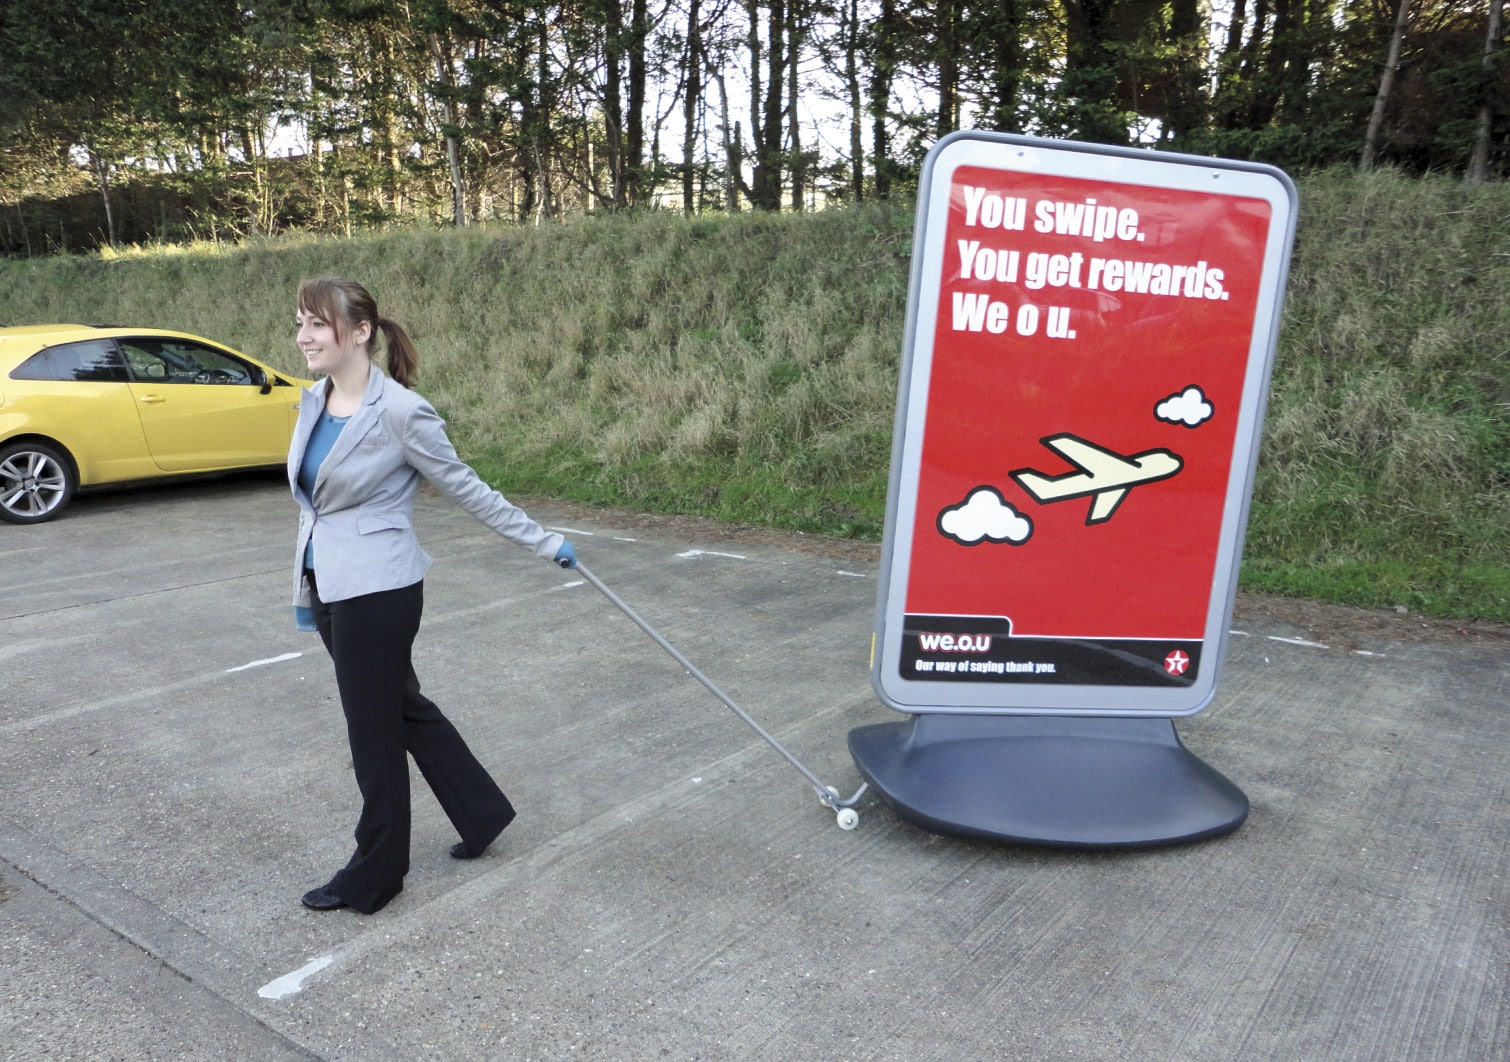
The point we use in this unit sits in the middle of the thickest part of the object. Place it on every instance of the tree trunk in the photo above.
(537, 143)
(446, 76)
(1227, 106)
(1090, 71)
(690, 101)
(382, 82)
(1386, 86)
(766, 112)
(772, 139)
(856, 103)
(1478, 162)
(1235, 29)
(1185, 108)
(733, 175)
(102, 175)
(613, 112)
(634, 118)
(1284, 77)
(947, 118)
(880, 98)
(796, 162)
(1006, 51)
(753, 10)
(733, 178)
(1251, 71)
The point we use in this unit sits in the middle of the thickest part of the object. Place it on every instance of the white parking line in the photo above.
(1298, 641)
(291, 984)
(263, 663)
(710, 553)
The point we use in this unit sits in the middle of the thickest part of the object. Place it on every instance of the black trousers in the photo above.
(370, 639)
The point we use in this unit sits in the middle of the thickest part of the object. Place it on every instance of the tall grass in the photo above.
(1385, 471)
(745, 368)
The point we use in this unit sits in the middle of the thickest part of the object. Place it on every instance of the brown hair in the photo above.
(346, 304)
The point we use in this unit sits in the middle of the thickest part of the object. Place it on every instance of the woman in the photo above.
(362, 444)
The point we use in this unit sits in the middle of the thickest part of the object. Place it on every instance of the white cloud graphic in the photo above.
(985, 515)
(1189, 408)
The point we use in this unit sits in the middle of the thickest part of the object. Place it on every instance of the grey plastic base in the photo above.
(1077, 781)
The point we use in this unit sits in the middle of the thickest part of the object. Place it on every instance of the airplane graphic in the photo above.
(1104, 476)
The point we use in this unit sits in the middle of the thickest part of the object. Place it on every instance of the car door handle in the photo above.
(153, 400)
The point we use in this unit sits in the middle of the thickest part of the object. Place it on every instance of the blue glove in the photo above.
(566, 556)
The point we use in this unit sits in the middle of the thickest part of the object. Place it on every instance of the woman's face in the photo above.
(326, 352)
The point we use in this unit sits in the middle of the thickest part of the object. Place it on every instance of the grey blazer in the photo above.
(360, 513)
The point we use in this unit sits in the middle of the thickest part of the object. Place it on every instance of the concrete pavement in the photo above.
(174, 775)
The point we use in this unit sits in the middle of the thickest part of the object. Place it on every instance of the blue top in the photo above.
(321, 439)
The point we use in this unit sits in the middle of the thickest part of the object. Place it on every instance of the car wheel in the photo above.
(36, 481)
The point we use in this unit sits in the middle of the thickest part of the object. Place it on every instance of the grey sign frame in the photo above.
(1030, 155)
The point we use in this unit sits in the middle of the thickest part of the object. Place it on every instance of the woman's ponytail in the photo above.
(403, 359)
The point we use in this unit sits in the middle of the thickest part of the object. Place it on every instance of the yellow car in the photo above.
(82, 406)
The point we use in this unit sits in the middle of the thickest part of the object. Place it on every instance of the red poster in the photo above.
(1088, 368)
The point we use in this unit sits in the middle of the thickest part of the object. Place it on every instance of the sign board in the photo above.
(1090, 334)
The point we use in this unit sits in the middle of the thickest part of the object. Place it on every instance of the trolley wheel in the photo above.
(831, 792)
(848, 818)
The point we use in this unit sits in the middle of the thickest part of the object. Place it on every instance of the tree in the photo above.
(1001, 27)
(1386, 85)
(71, 75)
(527, 109)
(1090, 74)
(766, 106)
(853, 94)
(946, 36)
(693, 61)
(1478, 164)
(884, 48)
(623, 94)
(445, 76)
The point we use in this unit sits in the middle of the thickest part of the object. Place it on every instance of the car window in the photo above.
(183, 361)
(93, 360)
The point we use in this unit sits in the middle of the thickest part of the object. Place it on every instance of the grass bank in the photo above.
(745, 368)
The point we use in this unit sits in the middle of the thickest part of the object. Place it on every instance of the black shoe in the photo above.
(322, 899)
(462, 850)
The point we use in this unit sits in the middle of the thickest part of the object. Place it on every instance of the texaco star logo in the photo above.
(1176, 663)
